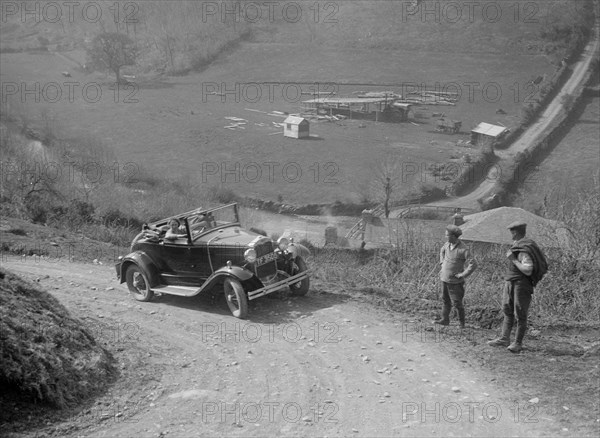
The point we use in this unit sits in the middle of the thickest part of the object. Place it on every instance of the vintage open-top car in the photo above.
(207, 251)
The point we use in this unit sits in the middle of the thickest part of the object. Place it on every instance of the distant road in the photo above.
(532, 135)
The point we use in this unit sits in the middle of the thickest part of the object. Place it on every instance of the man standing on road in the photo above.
(526, 266)
(453, 257)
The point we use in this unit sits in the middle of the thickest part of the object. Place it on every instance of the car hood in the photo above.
(233, 235)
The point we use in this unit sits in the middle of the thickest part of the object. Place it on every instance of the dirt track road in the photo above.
(534, 133)
(320, 365)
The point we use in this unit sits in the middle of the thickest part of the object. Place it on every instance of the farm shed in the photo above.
(490, 227)
(486, 132)
(295, 127)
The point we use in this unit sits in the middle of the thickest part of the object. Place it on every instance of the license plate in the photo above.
(266, 259)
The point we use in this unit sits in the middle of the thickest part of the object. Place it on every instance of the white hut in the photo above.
(486, 132)
(296, 127)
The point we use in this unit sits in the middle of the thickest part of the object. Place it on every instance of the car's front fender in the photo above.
(144, 262)
(236, 271)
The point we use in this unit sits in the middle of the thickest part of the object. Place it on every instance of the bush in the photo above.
(18, 231)
(36, 209)
(80, 212)
(116, 218)
(426, 214)
(308, 244)
(528, 113)
(429, 191)
(222, 195)
(567, 102)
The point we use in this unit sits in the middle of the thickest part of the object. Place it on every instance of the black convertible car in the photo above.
(204, 249)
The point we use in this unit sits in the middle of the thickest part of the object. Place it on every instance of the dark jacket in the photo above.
(540, 264)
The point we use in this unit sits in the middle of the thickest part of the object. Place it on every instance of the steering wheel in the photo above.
(199, 228)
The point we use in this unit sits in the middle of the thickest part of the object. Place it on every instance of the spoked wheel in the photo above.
(236, 298)
(300, 288)
(138, 284)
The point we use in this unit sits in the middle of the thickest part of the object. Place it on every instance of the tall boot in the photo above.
(445, 320)
(504, 340)
(507, 326)
(461, 316)
(521, 329)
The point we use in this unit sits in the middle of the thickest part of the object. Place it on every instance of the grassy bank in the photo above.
(48, 358)
(405, 277)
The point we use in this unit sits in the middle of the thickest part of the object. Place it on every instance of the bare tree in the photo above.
(386, 181)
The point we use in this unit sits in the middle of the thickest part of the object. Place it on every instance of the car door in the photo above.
(183, 262)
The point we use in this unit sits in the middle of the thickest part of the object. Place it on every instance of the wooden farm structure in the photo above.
(295, 127)
(380, 109)
(486, 133)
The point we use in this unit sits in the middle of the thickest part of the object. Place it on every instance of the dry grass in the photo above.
(407, 273)
(46, 354)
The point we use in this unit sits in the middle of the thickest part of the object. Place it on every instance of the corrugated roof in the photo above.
(490, 226)
(489, 129)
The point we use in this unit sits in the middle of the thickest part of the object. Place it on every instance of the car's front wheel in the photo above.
(138, 284)
(301, 287)
(236, 298)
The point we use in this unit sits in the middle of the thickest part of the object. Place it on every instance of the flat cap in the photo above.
(517, 224)
(454, 230)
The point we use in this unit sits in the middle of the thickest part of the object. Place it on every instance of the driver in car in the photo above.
(204, 222)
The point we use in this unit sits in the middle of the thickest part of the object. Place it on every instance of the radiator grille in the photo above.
(268, 269)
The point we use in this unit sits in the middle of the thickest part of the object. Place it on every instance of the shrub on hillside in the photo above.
(80, 212)
(36, 209)
(426, 214)
(222, 195)
(116, 218)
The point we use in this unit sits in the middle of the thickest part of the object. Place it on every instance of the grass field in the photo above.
(160, 133)
(174, 130)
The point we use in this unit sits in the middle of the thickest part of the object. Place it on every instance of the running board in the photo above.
(187, 291)
(182, 291)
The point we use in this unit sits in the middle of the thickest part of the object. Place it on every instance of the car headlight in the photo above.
(283, 243)
(250, 255)
(293, 250)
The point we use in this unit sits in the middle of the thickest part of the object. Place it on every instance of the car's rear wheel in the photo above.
(301, 287)
(138, 284)
(236, 298)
